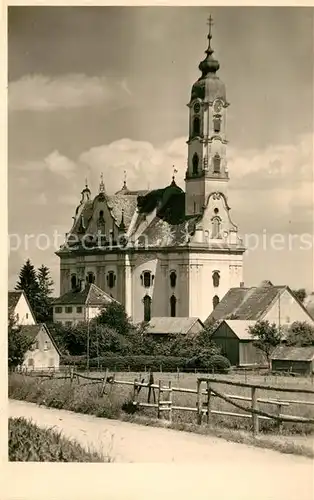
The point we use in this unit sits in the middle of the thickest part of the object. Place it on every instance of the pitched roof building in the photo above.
(19, 308)
(80, 304)
(293, 359)
(173, 326)
(277, 304)
(165, 252)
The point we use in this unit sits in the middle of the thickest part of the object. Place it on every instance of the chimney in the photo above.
(242, 284)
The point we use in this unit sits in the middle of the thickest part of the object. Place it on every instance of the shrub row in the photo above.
(215, 363)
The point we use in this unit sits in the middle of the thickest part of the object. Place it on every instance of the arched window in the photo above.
(216, 163)
(215, 301)
(196, 126)
(111, 279)
(195, 163)
(147, 279)
(217, 123)
(216, 278)
(90, 278)
(216, 228)
(173, 303)
(173, 279)
(147, 307)
(73, 281)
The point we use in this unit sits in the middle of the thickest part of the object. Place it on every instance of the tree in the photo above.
(267, 336)
(300, 294)
(28, 282)
(300, 334)
(114, 316)
(45, 284)
(18, 344)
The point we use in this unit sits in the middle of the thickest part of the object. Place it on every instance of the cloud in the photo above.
(43, 93)
(60, 165)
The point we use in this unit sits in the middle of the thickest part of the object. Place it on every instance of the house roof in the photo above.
(91, 295)
(309, 304)
(240, 327)
(13, 298)
(293, 353)
(169, 325)
(246, 303)
(33, 330)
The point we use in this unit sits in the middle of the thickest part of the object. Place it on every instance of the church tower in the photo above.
(207, 165)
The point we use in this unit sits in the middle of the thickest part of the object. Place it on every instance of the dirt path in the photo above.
(290, 476)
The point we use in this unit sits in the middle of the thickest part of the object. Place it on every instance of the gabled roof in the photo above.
(13, 298)
(293, 353)
(240, 327)
(169, 325)
(247, 303)
(91, 295)
(33, 330)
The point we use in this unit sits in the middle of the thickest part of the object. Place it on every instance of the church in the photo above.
(164, 252)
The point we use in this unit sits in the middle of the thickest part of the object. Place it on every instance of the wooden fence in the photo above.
(204, 397)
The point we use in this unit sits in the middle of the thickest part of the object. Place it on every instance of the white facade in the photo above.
(71, 314)
(286, 310)
(23, 313)
(43, 354)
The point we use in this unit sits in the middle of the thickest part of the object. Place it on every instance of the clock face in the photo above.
(217, 106)
(197, 107)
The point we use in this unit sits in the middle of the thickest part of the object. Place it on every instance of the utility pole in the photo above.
(87, 349)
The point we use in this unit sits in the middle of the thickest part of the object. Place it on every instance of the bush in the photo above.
(218, 364)
(209, 362)
(29, 443)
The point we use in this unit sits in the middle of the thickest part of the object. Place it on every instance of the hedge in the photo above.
(139, 363)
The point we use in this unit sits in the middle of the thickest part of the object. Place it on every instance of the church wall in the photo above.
(201, 286)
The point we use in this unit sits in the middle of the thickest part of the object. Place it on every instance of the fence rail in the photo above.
(204, 397)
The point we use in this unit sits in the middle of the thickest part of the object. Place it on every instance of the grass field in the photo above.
(29, 443)
(83, 397)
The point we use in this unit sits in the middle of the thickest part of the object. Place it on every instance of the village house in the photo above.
(299, 360)
(242, 307)
(44, 353)
(80, 304)
(162, 328)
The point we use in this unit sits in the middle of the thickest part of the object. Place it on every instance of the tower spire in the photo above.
(124, 181)
(101, 184)
(209, 64)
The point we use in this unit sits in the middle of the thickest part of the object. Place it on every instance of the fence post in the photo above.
(254, 415)
(104, 382)
(170, 401)
(279, 422)
(208, 402)
(158, 399)
(199, 402)
(71, 375)
(135, 392)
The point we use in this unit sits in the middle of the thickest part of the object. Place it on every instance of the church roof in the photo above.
(91, 295)
(246, 303)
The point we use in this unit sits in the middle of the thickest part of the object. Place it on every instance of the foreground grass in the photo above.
(30, 443)
(84, 398)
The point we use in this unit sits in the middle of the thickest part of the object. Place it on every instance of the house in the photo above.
(167, 326)
(44, 353)
(293, 359)
(237, 344)
(80, 305)
(266, 302)
(19, 308)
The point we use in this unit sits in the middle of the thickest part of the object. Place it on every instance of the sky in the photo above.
(104, 89)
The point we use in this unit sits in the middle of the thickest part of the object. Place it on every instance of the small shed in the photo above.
(165, 327)
(237, 344)
(293, 359)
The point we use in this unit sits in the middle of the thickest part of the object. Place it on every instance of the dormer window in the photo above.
(195, 163)
(173, 279)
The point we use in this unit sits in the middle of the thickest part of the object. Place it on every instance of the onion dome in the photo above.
(209, 87)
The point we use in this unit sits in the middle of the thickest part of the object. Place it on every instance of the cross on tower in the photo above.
(210, 23)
